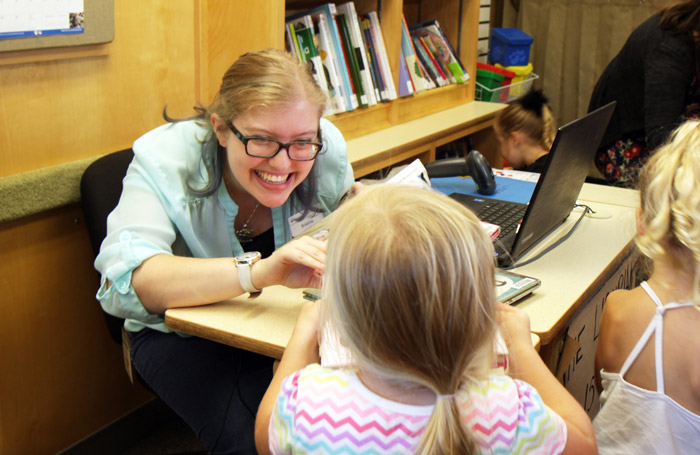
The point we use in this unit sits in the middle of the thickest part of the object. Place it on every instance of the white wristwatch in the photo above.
(244, 262)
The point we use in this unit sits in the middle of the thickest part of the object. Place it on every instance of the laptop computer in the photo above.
(557, 188)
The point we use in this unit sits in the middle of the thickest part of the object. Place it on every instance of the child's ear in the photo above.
(516, 138)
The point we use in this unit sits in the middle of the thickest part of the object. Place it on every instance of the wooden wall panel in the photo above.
(62, 375)
(57, 111)
(223, 45)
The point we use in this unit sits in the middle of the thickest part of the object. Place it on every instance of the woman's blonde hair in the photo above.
(670, 205)
(262, 79)
(409, 283)
(531, 116)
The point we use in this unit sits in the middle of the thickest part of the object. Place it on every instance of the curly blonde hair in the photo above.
(670, 205)
(409, 283)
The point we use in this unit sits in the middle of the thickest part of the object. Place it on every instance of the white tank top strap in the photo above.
(651, 293)
(651, 328)
(655, 327)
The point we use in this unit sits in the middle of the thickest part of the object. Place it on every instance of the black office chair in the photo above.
(100, 189)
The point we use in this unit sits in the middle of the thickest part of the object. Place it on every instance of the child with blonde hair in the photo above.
(647, 359)
(409, 286)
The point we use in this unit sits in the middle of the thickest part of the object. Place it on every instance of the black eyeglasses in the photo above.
(266, 147)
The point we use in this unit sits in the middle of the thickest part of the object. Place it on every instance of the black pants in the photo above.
(215, 388)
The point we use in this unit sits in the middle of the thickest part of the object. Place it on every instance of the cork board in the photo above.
(99, 28)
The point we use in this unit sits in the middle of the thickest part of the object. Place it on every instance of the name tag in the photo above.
(299, 225)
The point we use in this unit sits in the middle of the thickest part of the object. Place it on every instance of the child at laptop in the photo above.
(649, 341)
(409, 285)
(525, 130)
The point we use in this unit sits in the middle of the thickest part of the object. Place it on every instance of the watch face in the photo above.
(248, 256)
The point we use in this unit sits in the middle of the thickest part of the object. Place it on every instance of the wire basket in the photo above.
(504, 93)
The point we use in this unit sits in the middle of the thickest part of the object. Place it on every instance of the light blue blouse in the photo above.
(157, 214)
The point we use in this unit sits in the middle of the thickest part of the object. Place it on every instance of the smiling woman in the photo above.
(200, 192)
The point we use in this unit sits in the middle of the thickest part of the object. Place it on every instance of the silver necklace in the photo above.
(245, 234)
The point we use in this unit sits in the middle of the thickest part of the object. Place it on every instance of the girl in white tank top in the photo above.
(648, 354)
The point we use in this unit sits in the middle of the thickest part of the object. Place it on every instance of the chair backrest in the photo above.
(100, 190)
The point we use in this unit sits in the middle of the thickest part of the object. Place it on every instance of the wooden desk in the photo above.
(576, 277)
(420, 137)
(261, 324)
(573, 271)
(570, 274)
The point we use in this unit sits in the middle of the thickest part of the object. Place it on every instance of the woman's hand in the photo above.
(296, 264)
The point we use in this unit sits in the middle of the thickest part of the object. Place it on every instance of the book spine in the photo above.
(381, 54)
(427, 63)
(330, 65)
(361, 52)
(405, 82)
(456, 65)
(433, 60)
(436, 55)
(373, 59)
(351, 58)
(292, 41)
(307, 48)
(350, 99)
(409, 54)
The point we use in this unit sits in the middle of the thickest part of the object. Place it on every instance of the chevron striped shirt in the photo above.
(329, 411)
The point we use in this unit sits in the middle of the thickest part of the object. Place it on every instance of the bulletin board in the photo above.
(40, 24)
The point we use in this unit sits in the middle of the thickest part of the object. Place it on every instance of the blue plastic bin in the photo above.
(509, 47)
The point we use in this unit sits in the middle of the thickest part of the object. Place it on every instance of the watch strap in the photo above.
(245, 278)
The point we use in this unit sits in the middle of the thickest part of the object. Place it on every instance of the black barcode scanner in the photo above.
(473, 164)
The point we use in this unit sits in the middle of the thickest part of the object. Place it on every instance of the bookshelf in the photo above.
(219, 43)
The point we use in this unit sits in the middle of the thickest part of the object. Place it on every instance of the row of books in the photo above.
(428, 60)
(349, 60)
(347, 54)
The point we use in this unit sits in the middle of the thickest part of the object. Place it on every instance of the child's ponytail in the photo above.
(445, 433)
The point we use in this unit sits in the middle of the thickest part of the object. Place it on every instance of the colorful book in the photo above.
(303, 29)
(291, 40)
(358, 45)
(405, 82)
(352, 61)
(384, 66)
(443, 71)
(415, 71)
(427, 63)
(328, 11)
(331, 70)
(444, 50)
(373, 60)
(428, 43)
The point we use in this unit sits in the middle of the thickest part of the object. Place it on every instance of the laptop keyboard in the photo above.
(505, 214)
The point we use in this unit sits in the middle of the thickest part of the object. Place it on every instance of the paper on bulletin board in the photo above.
(41, 24)
(26, 18)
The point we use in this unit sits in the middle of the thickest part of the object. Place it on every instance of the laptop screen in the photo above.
(561, 181)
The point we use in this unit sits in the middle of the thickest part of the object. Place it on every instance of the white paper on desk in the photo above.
(413, 174)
